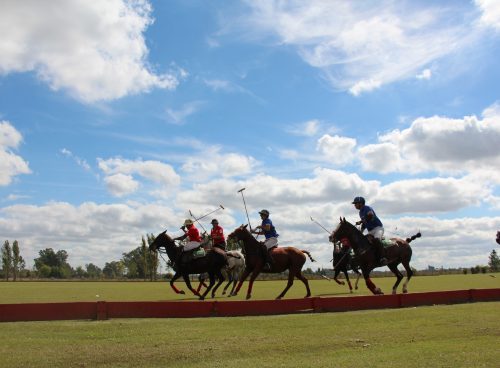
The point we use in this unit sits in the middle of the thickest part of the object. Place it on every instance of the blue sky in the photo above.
(117, 118)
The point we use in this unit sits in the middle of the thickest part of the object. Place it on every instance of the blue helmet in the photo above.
(358, 200)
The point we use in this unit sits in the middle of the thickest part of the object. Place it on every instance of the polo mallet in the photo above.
(317, 223)
(221, 207)
(244, 203)
(199, 223)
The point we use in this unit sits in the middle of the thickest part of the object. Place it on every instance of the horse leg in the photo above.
(337, 272)
(188, 283)
(211, 276)
(348, 281)
(370, 285)
(409, 274)
(201, 283)
(357, 280)
(305, 281)
(255, 273)
(172, 280)
(230, 280)
(242, 280)
(221, 278)
(394, 268)
(288, 284)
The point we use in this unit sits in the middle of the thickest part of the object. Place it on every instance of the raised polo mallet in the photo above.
(324, 228)
(199, 223)
(221, 207)
(242, 196)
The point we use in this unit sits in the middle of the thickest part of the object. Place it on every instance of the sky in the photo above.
(118, 118)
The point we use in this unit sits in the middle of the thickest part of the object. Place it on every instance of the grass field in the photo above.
(67, 291)
(462, 335)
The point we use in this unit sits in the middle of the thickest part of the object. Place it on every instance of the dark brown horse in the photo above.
(212, 263)
(284, 258)
(343, 262)
(399, 252)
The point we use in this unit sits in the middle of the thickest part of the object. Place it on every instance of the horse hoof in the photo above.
(223, 293)
(351, 291)
(202, 297)
(405, 291)
(249, 296)
(342, 283)
(394, 292)
(182, 292)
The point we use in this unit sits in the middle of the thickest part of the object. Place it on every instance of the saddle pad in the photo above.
(387, 243)
(198, 253)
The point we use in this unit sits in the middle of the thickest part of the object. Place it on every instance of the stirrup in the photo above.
(267, 266)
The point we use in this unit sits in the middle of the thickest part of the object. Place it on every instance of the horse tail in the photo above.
(413, 237)
(309, 254)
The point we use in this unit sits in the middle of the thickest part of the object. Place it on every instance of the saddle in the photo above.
(193, 254)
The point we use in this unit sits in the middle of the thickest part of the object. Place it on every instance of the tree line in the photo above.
(139, 263)
(53, 264)
(136, 264)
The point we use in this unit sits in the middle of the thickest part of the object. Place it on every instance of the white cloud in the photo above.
(121, 185)
(81, 162)
(94, 50)
(359, 47)
(309, 128)
(90, 232)
(120, 180)
(468, 145)
(11, 164)
(490, 13)
(210, 162)
(425, 74)
(335, 149)
(179, 116)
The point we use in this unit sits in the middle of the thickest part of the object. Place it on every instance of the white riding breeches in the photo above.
(191, 245)
(271, 242)
(377, 232)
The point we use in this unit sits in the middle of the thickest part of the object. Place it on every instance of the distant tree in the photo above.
(494, 261)
(17, 261)
(80, 272)
(133, 263)
(140, 262)
(93, 271)
(144, 256)
(6, 259)
(114, 269)
(152, 259)
(57, 261)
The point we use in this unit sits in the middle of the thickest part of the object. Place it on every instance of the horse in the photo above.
(234, 269)
(284, 258)
(212, 263)
(236, 266)
(399, 252)
(343, 262)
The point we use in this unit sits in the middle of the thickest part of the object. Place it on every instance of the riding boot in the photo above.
(268, 261)
(379, 251)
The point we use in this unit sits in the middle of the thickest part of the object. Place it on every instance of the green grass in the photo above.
(463, 335)
(67, 291)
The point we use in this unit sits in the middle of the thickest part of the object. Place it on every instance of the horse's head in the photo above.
(161, 240)
(238, 233)
(344, 230)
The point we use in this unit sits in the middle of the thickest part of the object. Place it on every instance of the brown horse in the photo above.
(212, 263)
(343, 262)
(284, 258)
(399, 252)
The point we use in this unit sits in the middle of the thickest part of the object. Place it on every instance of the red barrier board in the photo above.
(104, 310)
